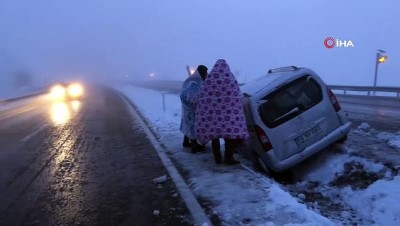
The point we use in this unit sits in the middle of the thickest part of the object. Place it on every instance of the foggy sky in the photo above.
(74, 38)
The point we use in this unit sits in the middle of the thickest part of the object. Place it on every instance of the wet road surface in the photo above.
(81, 163)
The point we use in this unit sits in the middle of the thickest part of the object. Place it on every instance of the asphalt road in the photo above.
(81, 163)
(381, 113)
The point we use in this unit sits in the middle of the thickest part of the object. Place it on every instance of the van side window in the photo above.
(289, 101)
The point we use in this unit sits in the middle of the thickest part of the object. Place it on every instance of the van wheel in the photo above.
(262, 167)
(285, 177)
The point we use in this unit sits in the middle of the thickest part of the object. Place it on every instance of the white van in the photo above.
(291, 114)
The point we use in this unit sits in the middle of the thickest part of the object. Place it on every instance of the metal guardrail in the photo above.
(6, 101)
(370, 90)
(25, 96)
(39, 91)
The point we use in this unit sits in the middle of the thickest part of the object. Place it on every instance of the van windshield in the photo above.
(289, 101)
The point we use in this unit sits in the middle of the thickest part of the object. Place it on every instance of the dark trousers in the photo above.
(230, 145)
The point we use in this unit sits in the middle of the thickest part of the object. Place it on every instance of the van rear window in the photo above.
(289, 101)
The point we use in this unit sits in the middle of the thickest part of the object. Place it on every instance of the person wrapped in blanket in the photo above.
(188, 95)
(219, 113)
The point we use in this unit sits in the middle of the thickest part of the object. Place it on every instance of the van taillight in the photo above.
(266, 144)
(334, 101)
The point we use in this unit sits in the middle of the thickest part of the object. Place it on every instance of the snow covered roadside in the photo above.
(237, 196)
(359, 191)
(379, 202)
(393, 139)
(240, 197)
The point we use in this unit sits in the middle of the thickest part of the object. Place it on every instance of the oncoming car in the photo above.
(291, 114)
(66, 91)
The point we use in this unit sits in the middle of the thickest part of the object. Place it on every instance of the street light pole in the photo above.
(376, 69)
(380, 58)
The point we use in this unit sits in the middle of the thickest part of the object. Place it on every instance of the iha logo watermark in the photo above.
(331, 42)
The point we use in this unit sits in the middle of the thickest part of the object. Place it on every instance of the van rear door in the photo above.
(296, 115)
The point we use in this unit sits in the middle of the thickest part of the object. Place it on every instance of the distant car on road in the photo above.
(66, 91)
(291, 114)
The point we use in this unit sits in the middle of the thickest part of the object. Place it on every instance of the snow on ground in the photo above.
(379, 202)
(328, 169)
(239, 196)
(393, 139)
(352, 184)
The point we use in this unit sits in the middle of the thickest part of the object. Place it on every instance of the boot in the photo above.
(216, 150)
(201, 147)
(186, 142)
(229, 148)
(195, 146)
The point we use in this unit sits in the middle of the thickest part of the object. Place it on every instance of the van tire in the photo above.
(262, 167)
(284, 177)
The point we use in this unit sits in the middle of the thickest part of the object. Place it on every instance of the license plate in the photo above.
(308, 134)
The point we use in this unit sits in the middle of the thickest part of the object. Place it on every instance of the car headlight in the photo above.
(57, 92)
(75, 90)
